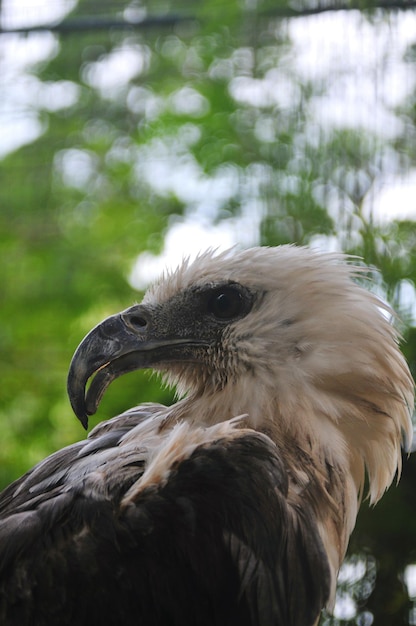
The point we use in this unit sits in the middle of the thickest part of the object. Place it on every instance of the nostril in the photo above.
(137, 320)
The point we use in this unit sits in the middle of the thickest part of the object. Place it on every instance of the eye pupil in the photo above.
(223, 303)
(226, 304)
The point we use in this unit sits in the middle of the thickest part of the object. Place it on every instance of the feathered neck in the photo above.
(331, 433)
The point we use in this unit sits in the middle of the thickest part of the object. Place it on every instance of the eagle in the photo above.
(235, 504)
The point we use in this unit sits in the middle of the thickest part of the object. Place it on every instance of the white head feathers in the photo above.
(317, 357)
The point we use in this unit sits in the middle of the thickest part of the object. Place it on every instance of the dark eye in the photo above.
(226, 303)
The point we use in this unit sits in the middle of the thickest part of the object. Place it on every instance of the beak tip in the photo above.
(79, 407)
(84, 421)
(76, 392)
(81, 413)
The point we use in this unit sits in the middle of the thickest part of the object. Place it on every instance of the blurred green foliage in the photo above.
(98, 187)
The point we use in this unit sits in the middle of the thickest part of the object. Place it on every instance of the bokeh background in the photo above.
(135, 133)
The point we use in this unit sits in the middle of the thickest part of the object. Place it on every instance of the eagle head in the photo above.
(285, 335)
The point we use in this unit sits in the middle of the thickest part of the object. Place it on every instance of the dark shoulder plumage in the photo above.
(212, 542)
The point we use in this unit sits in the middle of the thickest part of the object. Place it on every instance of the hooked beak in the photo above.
(122, 343)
